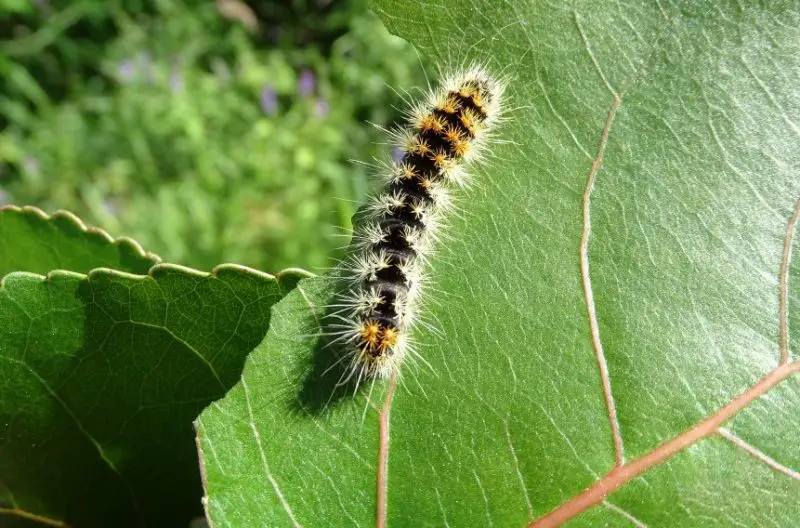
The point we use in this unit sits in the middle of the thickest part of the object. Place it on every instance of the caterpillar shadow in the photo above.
(328, 380)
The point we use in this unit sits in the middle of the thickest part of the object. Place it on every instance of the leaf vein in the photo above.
(264, 463)
(758, 454)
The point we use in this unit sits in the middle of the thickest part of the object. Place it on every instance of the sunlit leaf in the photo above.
(687, 116)
(31, 240)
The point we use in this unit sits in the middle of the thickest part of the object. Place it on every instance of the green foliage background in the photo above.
(209, 132)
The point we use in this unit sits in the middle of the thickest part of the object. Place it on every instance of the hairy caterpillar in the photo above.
(442, 136)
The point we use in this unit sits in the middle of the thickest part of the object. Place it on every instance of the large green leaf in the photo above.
(101, 377)
(658, 140)
(32, 241)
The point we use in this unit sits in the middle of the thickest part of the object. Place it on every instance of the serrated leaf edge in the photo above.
(157, 268)
(77, 222)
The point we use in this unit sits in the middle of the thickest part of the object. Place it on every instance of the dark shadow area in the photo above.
(99, 405)
(328, 381)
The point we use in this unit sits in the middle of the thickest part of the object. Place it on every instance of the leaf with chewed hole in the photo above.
(618, 302)
(33, 241)
(101, 377)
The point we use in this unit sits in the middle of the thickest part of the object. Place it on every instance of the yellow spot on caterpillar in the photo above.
(469, 120)
(421, 147)
(370, 334)
(406, 172)
(377, 339)
(478, 102)
(468, 90)
(440, 160)
(458, 142)
(450, 105)
(389, 339)
(461, 148)
(431, 123)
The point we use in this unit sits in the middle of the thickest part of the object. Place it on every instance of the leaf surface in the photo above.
(33, 241)
(101, 377)
(612, 301)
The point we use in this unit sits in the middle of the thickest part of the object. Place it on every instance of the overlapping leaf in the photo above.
(101, 377)
(687, 116)
(32, 241)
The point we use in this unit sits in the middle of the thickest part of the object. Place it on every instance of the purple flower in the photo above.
(111, 207)
(306, 83)
(269, 100)
(321, 107)
(129, 70)
(126, 71)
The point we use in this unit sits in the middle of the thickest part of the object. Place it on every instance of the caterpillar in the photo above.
(442, 136)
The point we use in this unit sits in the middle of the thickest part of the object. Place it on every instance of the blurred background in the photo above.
(209, 131)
